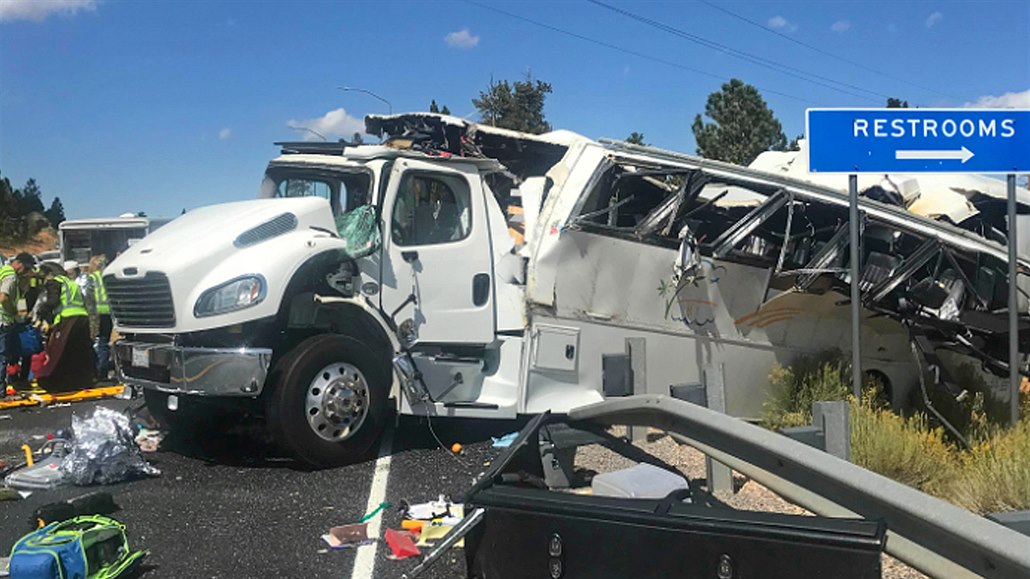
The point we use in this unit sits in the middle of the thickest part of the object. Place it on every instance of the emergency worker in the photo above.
(96, 303)
(69, 364)
(12, 322)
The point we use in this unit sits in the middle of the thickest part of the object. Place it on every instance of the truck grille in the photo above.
(141, 302)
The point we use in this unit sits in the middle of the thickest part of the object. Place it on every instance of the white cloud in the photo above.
(1009, 100)
(39, 10)
(461, 39)
(333, 125)
(224, 134)
(933, 19)
(840, 26)
(780, 23)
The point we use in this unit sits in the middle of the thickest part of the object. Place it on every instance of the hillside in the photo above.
(45, 240)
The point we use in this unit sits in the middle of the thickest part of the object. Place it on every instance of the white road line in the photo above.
(365, 560)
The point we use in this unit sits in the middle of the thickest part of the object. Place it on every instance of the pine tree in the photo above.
(743, 125)
(518, 106)
(30, 199)
(636, 138)
(55, 215)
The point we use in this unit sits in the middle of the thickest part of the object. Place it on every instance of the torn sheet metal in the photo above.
(929, 195)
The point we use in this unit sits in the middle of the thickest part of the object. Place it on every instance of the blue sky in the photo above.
(157, 106)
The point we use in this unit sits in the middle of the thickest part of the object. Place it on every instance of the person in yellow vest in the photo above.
(96, 303)
(69, 364)
(11, 322)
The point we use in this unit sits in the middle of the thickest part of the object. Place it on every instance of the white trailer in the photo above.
(639, 269)
(81, 239)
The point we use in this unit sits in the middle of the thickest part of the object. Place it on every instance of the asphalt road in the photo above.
(228, 505)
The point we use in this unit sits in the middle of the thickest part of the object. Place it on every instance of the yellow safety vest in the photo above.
(6, 272)
(71, 300)
(100, 294)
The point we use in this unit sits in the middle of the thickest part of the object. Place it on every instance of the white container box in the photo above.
(643, 481)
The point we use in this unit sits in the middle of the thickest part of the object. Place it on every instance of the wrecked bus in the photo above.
(468, 271)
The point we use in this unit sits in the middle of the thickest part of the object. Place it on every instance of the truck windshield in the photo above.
(345, 190)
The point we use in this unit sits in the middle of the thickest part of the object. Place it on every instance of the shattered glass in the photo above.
(359, 230)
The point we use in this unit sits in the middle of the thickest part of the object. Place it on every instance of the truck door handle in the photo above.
(409, 256)
(480, 289)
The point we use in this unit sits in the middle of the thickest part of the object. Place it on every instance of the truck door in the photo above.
(437, 247)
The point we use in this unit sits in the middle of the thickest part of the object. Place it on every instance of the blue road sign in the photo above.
(918, 140)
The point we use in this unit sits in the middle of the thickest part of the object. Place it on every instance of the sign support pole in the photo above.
(1014, 375)
(856, 306)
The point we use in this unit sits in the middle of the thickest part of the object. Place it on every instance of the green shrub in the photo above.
(992, 476)
(907, 450)
(995, 474)
(794, 389)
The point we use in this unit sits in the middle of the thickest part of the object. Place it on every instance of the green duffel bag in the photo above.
(88, 547)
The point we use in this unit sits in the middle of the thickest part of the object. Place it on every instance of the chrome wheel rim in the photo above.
(337, 402)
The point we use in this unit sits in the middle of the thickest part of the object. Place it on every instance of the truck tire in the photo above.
(328, 402)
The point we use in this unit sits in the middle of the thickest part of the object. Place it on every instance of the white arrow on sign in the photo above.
(963, 154)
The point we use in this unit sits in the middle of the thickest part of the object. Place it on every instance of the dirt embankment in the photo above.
(45, 240)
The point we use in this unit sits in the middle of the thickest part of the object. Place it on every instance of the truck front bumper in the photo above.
(195, 371)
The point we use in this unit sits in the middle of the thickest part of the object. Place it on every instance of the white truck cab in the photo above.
(498, 274)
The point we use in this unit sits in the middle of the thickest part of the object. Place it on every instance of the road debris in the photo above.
(504, 441)
(93, 503)
(149, 440)
(346, 536)
(429, 510)
(401, 544)
(103, 450)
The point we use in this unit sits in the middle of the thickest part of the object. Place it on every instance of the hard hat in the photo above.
(71, 264)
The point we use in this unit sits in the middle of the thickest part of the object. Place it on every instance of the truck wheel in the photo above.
(328, 401)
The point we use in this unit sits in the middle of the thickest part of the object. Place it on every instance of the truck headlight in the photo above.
(242, 292)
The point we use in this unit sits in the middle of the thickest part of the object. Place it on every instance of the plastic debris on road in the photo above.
(103, 450)
(433, 533)
(149, 440)
(504, 441)
(346, 536)
(429, 510)
(401, 544)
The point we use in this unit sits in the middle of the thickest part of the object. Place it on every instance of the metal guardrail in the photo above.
(933, 536)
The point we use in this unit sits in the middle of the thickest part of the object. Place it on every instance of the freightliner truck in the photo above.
(460, 270)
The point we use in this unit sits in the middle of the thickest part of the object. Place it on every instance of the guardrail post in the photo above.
(637, 350)
(834, 419)
(719, 476)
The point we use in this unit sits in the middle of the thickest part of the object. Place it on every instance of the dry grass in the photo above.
(907, 450)
(992, 476)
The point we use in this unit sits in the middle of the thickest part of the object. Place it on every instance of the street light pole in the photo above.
(369, 93)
